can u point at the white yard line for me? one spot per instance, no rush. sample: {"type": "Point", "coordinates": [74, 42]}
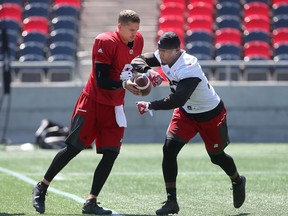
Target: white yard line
{"type": "Point", "coordinates": [51, 189]}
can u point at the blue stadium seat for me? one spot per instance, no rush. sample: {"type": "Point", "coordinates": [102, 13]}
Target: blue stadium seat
{"type": "Point", "coordinates": [279, 10]}
{"type": "Point", "coordinates": [256, 35]}
{"type": "Point", "coordinates": [201, 36]}
{"type": "Point", "coordinates": [228, 52]}
{"type": "Point", "coordinates": [62, 35]}
{"type": "Point", "coordinates": [20, 2]}
{"type": "Point", "coordinates": [66, 10]}
{"type": "Point", "coordinates": [62, 52]}
{"type": "Point", "coordinates": [65, 22]}
{"type": "Point", "coordinates": [280, 22]}
{"type": "Point", "coordinates": [201, 50]}
{"type": "Point", "coordinates": [228, 21]}
{"type": "Point", "coordinates": [38, 38]}
{"type": "Point", "coordinates": [228, 8]}
{"type": "Point", "coordinates": [40, 1]}
{"type": "Point", "coordinates": [280, 53]}
{"type": "Point", "coordinates": [37, 9]}
{"type": "Point", "coordinates": [30, 51]}
{"type": "Point", "coordinates": [263, 1]}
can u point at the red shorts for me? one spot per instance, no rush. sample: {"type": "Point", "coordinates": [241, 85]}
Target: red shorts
{"type": "Point", "coordinates": [213, 132]}
{"type": "Point", "coordinates": [92, 121]}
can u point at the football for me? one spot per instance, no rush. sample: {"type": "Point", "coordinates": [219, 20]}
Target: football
{"type": "Point", "coordinates": [143, 83]}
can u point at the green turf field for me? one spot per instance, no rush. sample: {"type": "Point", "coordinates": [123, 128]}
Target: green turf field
{"type": "Point", "coordinates": [136, 187]}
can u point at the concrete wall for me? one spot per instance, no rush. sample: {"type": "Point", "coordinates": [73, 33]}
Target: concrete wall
{"type": "Point", "coordinates": [255, 113]}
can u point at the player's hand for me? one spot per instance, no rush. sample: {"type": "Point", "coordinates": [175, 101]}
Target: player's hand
{"type": "Point", "coordinates": [142, 107]}
{"type": "Point", "coordinates": [131, 86]}
{"type": "Point", "coordinates": [126, 75]}
{"type": "Point", "coordinates": [154, 77]}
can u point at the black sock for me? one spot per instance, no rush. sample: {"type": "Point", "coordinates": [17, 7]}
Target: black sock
{"type": "Point", "coordinates": [171, 194]}
{"type": "Point", "coordinates": [43, 185]}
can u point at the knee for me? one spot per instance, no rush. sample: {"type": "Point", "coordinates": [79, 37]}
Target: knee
{"type": "Point", "coordinates": [217, 159]}
{"type": "Point", "coordinates": [171, 148]}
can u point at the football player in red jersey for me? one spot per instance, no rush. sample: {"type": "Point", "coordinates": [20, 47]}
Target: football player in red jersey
{"type": "Point", "coordinates": [98, 114]}
{"type": "Point", "coordinates": [197, 109]}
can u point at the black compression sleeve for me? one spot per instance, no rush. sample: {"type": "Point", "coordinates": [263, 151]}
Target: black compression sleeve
{"type": "Point", "coordinates": [103, 79]}
{"type": "Point", "coordinates": [144, 62]}
{"type": "Point", "coordinates": [184, 90]}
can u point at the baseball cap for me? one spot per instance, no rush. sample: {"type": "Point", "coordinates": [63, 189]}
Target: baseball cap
{"type": "Point", "coordinates": [169, 40]}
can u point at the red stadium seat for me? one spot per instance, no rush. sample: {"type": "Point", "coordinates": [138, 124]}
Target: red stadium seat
{"type": "Point", "coordinates": [171, 22]}
{"type": "Point", "coordinates": [257, 22]}
{"type": "Point", "coordinates": [228, 35]}
{"type": "Point", "coordinates": [280, 35]}
{"type": "Point", "coordinates": [35, 23]}
{"type": "Point", "coordinates": [183, 2]}
{"type": "Point", "coordinates": [210, 2]}
{"type": "Point", "coordinates": [11, 11]}
{"type": "Point", "coordinates": [200, 23]}
{"type": "Point", "coordinates": [172, 8]}
{"type": "Point", "coordinates": [200, 9]}
{"type": "Point", "coordinates": [256, 8]}
{"type": "Point", "coordinates": [257, 49]}
{"type": "Point", "coordinates": [75, 3]}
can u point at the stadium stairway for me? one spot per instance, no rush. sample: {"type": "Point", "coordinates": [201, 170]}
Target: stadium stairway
{"type": "Point", "coordinates": [101, 15]}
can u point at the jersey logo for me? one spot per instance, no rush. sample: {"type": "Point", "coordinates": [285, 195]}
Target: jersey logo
{"type": "Point", "coordinates": [100, 50]}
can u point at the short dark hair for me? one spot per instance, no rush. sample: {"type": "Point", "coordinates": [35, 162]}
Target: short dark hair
{"type": "Point", "coordinates": [169, 40]}
{"type": "Point", "coordinates": [126, 16]}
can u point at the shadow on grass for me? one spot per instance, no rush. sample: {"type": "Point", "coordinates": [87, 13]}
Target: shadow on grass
{"type": "Point", "coordinates": [8, 214]}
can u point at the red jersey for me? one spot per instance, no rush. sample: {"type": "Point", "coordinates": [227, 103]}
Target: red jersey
{"type": "Point", "coordinates": [109, 49]}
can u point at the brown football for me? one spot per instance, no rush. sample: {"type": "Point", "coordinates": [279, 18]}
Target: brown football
{"type": "Point", "coordinates": [143, 83]}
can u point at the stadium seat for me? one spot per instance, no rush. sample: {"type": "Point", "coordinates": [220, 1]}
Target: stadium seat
{"type": "Point", "coordinates": [280, 53]}
{"type": "Point", "coordinates": [228, 35]}
{"type": "Point", "coordinates": [62, 52]}
{"type": "Point", "coordinates": [201, 36]}
{"type": "Point", "coordinates": [20, 2]}
{"type": "Point", "coordinates": [172, 23]}
{"type": "Point", "coordinates": [36, 23]}
{"type": "Point", "coordinates": [198, 23]}
{"type": "Point", "coordinates": [172, 8]}
{"type": "Point", "coordinates": [65, 22]}
{"type": "Point", "coordinates": [66, 10]}
{"type": "Point", "coordinates": [178, 1]}
{"type": "Point", "coordinates": [280, 22]}
{"type": "Point", "coordinates": [210, 2]}
{"type": "Point", "coordinates": [11, 11]}
{"type": "Point", "coordinates": [280, 9]}
{"type": "Point", "coordinates": [31, 52]}
{"type": "Point", "coordinates": [228, 8]}
{"type": "Point", "coordinates": [228, 21]}
{"type": "Point", "coordinates": [12, 38]}
{"type": "Point", "coordinates": [11, 25]}
{"type": "Point", "coordinates": [255, 49]}
{"type": "Point", "coordinates": [280, 35]}
{"type": "Point", "coordinates": [263, 1]}
{"type": "Point", "coordinates": [201, 50]}
{"type": "Point", "coordinates": [256, 8]}
{"type": "Point", "coordinates": [74, 3]}
{"type": "Point", "coordinates": [37, 9]}
{"type": "Point", "coordinates": [38, 38]}
{"type": "Point", "coordinates": [228, 52]}
{"type": "Point", "coordinates": [200, 9]}
{"type": "Point", "coordinates": [234, 1]}
{"type": "Point", "coordinates": [62, 35]}
{"type": "Point", "coordinates": [256, 35]}
{"type": "Point", "coordinates": [257, 22]}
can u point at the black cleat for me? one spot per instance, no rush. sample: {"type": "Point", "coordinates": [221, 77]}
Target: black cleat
{"type": "Point", "coordinates": [92, 207]}
{"type": "Point", "coordinates": [239, 193]}
{"type": "Point", "coordinates": [169, 207]}
{"type": "Point", "coordinates": [38, 197]}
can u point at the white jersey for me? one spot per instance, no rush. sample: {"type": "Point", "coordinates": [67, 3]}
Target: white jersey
{"type": "Point", "coordinates": [204, 98]}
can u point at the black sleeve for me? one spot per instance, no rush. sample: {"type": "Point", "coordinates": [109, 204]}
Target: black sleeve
{"type": "Point", "coordinates": [184, 90]}
{"type": "Point", "coordinates": [103, 79]}
{"type": "Point", "coordinates": [144, 62]}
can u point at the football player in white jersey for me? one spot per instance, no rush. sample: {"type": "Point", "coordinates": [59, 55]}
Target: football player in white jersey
{"type": "Point", "coordinates": [197, 109]}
